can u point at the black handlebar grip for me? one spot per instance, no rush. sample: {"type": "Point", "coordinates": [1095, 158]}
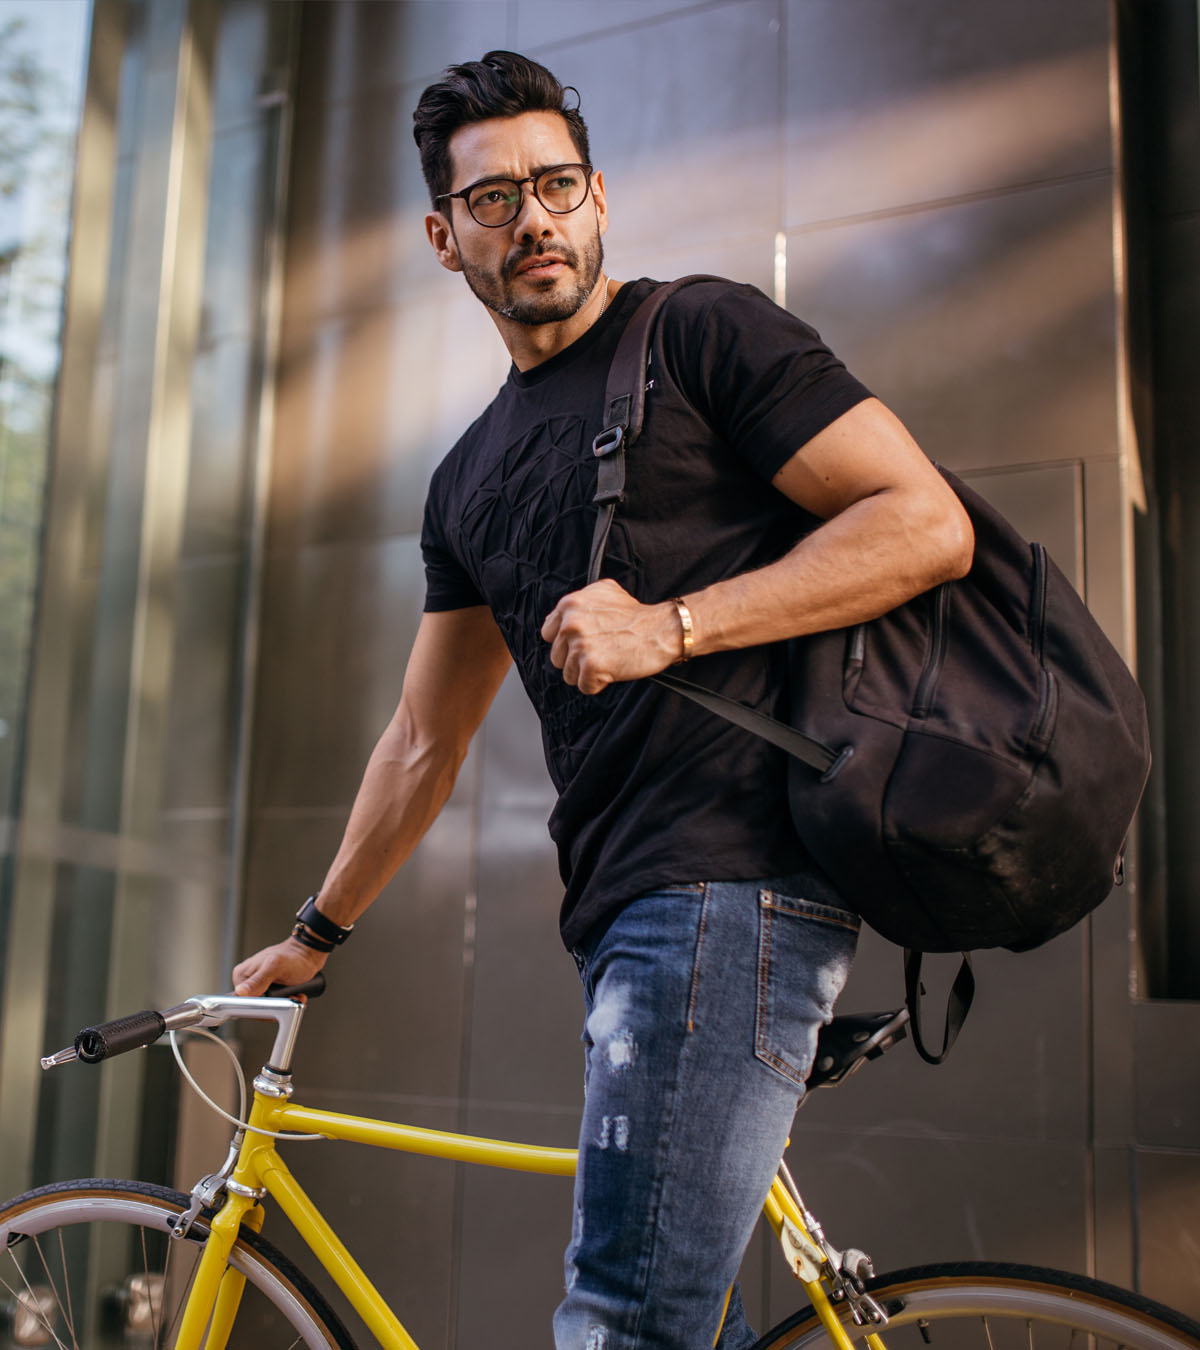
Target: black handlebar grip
{"type": "Point", "coordinates": [313, 988]}
{"type": "Point", "coordinates": [123, 1033]}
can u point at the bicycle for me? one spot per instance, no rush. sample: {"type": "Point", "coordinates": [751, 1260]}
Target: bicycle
{"type": "Point", "coordinates": [106, 1263]}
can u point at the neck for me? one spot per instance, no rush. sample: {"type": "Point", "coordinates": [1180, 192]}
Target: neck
{"type": "Point", "coordinates": [530, 345]}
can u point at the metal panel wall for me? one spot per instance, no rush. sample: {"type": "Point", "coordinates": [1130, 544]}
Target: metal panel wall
{"type": "Point", "coordinates": [933, 187]}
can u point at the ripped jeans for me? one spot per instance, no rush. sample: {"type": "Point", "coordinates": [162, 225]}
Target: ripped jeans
{"type": "Point", "coordinates": [703, 1006]}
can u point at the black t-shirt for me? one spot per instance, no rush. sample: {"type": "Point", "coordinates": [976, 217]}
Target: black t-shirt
{"type": "Point", "coordinates": [653, 790]}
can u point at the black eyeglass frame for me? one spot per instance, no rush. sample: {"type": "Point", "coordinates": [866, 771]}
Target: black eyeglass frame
{"type": "Point", "coordinates": [519, 183]}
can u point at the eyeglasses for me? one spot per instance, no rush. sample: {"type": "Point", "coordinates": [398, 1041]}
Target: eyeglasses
{"type": "Point", "coordinates": [493, 202]}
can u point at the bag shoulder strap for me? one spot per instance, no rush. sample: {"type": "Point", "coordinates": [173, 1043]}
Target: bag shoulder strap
{"type": "Point", "coordinates": [625, 409]}
{"type": "Point", "coordinates": [624, 412]}
{"type": "Point", "coordinates": [826, 761]}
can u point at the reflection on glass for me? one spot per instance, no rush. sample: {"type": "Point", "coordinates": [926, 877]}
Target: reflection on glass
{"type": "Point", "coordinates": [42, 61]}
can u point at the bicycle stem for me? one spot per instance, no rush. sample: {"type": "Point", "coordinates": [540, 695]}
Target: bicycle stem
{"type": "Point", "coordinates": [216, 1009]}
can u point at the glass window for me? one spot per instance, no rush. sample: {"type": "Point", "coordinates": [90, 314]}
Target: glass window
{"type": "Point", "coordinates": [42, 66]}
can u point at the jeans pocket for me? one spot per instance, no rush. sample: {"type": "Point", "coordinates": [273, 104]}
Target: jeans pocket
{"type": "Point", "coordinates": [804, 953]}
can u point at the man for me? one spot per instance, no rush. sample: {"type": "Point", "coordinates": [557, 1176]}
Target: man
{"type": "Point", "coordinates": [769, 496]}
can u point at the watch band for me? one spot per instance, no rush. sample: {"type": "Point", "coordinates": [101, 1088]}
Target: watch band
{"type": "Point", "coordinates": [306, 938]}
{"type": "Point", "coordinates": [320, 924]}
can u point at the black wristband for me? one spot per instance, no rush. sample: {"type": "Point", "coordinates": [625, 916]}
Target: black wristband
{"type": "Point", "coordinates": [310, 940]}
{"type": "Point", "coordinates": [321, 925]}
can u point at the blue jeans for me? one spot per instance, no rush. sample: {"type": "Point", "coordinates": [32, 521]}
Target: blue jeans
{"type": "Point", "coordinates": [703, 1007]}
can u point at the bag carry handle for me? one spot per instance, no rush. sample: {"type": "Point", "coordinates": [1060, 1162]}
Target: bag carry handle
{"type": "Point", "coordinates": [962, 993]}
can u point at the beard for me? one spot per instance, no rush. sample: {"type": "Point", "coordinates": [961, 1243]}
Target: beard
{"type": "Point", "coordinates": [496, 292]}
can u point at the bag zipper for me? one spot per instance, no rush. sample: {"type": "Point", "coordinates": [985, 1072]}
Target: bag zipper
{"type": "Point", "coordinates": [856, 650]}
{"type": "Point", "coordinates": [1047, 710]}
{"type": "Point", "coordinates": [1037, 617]}
{"type": "Point", "coordinates": [1047, 707]}
{"type": "Point", "coordinates": [936, 655]}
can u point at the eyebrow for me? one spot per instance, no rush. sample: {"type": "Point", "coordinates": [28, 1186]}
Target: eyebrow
{"type": "Point", "coordinates": [535, 172]}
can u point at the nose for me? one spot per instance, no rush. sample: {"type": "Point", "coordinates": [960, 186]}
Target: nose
{"type": "Point", "coordinates": [533, 221]}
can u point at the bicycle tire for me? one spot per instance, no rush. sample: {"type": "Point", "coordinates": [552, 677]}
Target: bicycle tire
{"type": "Point", "coordinates": [998, 1307]}
{"type": "Point", "coordinates": [48, 1265]}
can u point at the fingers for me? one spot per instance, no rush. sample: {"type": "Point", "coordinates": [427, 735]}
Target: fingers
{"type": "Point", "coordinates": [284, 963]}
{"type": "Point", "coordinates": [579, 630]}
{"type": "Point", "coordinates": [553, 622]}
{"type": "Point", "coordinates": [586, 680]}
{"type": "Point", "coordinates": [249, 980]}
{"type": "Point", "coordinates": [601, 635]}
{"type": "Point", "coordinates": [579, 657]}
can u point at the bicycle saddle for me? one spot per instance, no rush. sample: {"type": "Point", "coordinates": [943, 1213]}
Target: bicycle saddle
{"type": "Point", "coordinates": [847, 1042]}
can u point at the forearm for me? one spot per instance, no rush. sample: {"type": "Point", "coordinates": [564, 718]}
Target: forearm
{"type": "Point", "coordinates": [457, 663]}
{"type": "Point", "coordinates": [871, 557]}
{"type": "Point", "coordinates": [406, 783]}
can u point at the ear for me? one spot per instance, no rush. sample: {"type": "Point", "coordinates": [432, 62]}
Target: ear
{"type": "Point", "coordinates": [601, 201]}
{"type": "Point", "coordinates": [441, 237]}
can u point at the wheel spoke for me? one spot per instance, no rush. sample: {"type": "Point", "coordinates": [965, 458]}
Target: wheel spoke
{"type": "Point", "coordinates": [183, 1298]}
{"type": "Point", "coordinates": [34, 1304]}
{"type": "Point", "coordinates": [162, 1299]}
{"type": "Point", "coordinates": [37, 1246]}
{"type": "Point", "coordinates": [70, 1314]}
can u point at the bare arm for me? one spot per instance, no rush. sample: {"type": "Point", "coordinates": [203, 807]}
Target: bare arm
{"type": "Point", "coordinates": [893, 529]}
{"type": "Point", "coordinates": [457, 663]}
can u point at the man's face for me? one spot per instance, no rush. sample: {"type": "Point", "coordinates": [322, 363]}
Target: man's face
{"type": "Point", "coordinates": [541, 267]}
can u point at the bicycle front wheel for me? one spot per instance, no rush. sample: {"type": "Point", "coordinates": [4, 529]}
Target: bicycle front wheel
{"type": "Point", "coordinates": [980, 1305]}
{"type": "Point", "coordinates": [91, 1263]}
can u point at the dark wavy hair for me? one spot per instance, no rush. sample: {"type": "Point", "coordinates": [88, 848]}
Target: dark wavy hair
{"type": "Point", "coordinates": [502, 84]}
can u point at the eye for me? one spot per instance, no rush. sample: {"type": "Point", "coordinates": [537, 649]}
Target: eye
{"type": "Point", "coordinates": [495, 194]}
{"type": "Point", "coordinates": [562, 181]}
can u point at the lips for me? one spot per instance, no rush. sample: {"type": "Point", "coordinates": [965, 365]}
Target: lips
{"type": "Point", "coordinates": [545, 262]}
{"type": "Point", "coordinates": [539, 262]}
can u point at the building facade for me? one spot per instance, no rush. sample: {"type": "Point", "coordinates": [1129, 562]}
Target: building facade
{"type": "Point", "coordinates": [992, 213]}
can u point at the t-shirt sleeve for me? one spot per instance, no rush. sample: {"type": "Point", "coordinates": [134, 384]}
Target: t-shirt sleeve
{"type": "Point", "coordinates": [762, 377]}
{"type": "Point", "coordinates": [448, 585]}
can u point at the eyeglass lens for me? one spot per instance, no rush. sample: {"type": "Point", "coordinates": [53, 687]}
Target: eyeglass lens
{"type": "Point", "coordinates": [560, 190]}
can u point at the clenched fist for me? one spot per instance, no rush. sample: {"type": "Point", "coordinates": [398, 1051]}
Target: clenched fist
{"type": "Point", "coordinates": [601, 635]}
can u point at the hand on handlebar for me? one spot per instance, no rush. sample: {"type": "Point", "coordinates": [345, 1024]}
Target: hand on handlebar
{"type": "Point", "coordinates": [286, 962]}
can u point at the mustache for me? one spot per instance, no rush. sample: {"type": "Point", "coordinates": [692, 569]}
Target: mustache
{"type": "Point", "coordinates": [527, 251]}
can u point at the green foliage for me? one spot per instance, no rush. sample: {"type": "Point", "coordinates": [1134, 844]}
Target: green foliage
{"type": "Point", "coordinates": [22, 88]}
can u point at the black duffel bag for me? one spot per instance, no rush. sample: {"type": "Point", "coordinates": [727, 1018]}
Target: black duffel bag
{"type": "Point", "coordinates": [989, 747]}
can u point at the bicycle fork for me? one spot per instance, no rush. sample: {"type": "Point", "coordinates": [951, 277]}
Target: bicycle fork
{"type": "Point", "coordinates": [216, 1292]}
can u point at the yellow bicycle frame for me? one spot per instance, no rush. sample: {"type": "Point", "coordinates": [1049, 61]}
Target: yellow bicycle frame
{"type": "Point", "coordinates": [216, 1289]}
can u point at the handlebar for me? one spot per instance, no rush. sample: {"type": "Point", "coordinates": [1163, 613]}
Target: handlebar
{"type": "Point", "coordinates": [134, 1032]}
{"type": "Point", "coordinates": [138, 1030]}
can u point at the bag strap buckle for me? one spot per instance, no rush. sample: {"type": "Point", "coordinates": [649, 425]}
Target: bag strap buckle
{"type": "Point", "coordinates": [609, 441]}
